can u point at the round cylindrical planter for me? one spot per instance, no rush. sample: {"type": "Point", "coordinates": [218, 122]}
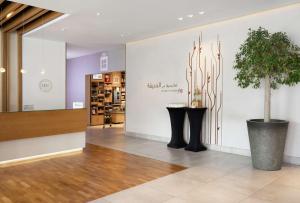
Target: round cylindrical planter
{"type": "Point", "coordinates": [267, 142]}
{"type": "Point", "coordinates": [177, 116]}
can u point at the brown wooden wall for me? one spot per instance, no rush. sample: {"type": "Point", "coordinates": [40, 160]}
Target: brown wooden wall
{"type": "Point", "coordinates": [20, 125]}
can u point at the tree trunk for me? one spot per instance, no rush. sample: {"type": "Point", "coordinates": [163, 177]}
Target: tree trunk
{"type": "Point", "coordinates": [267, 116]}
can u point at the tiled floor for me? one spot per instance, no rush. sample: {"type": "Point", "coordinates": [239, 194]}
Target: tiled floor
{"type": "Point", "coordinates": [211, 177]}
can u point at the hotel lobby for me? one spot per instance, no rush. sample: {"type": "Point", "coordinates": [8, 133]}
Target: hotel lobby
{"type": "Point", "coordinates": [149, 101]}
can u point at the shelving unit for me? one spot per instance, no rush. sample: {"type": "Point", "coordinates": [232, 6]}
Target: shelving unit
{"type": "Point", "coordinates": [106, 98]}
{"type": "Point", "coordinates": [97, 102]}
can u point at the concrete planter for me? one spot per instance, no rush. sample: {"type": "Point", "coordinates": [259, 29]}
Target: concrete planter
{"type": "Point", "coordinates": [267, 142]}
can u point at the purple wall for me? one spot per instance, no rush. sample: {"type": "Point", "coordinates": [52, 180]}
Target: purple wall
{"type": "Point", "coordinates": [78, 68]}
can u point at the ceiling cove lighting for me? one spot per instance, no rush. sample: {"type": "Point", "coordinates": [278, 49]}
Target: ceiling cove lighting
{"type": "Point", "coordinates": [201, 12]}
{"type": "Point", "coordinates": [9, 14]}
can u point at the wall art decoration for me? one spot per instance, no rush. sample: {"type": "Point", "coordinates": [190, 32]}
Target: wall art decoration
{"type": "Point", "coordinates": [45, 85]}
{"type": "Point", "coordinates": [103, 62]}
{"type": "Point", "coordinates": [98, 76]}
{"type": "Point", "coordinates": [165, 87]}
{"type": "Point", "coordinates": [207, 91]}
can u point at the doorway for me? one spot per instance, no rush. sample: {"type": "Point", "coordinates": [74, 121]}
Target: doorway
{"type": "Point", "coordinates": [106, 99]}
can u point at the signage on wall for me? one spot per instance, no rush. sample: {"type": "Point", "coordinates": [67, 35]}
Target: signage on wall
{"type": "Point", "coordinates": [45, 85]}
{"type": "Point", "coordinates": [78, 105]}
{"type": "Point", "coordinates": [103, 62]}
{"type": "Point", "coordinates": [98, 76]}
{"type": "Point", "coordinates": [165, 87]}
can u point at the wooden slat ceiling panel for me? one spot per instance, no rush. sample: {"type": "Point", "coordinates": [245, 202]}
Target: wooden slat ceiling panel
{"type": "Point", "coordinates": [18, 10]}
{"type": "Point", "coordinates": [49, 16]}
{"type": "Point", "coordinates": [23, 18]}
{"type": "Point", "coordinates": [11, 7]}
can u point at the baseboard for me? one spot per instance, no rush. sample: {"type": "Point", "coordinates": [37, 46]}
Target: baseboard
{"type": "Point", "coordinates": [232, 150]}
{"type": "Point", "coordinates": [246, 152]}
{"type": "Point", "coordinates": [291, 159]}
{"type": "Point", "coordinates": [147, 136]}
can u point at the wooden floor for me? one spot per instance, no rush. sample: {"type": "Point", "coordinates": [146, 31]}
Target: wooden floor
{"type": "Point", "coordinates": [82, 177]}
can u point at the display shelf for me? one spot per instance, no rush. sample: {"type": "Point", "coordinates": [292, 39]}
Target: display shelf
{"type": "Point", "coordinates": [106, 96]}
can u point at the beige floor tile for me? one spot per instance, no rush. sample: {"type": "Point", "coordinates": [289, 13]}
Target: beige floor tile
{"type": "Point", "coordinates": [201, 174]}
{"type": "Point", "coordinates": [175, 185]}
{"type": "Point", "coordinates": [254, 200]}
{"type": "Point", "coordinates": [262, 177]}
{"type": "Point", "coordinates": [247, 180]}
{"type": "Point", "coordinates": [138, 194]}
{"type": "Point", "coordinates": [212, 194]}
{"type": "Point", "coordinates": [278, 194]}
{"type": "Point", "coordinates": [176, 200]}
{"type": "Point", "coordinates": [102, 200]}
{"type": "Point", "coordinates": [239, 185]}
{"type": "Point", "coordinates": [291, 177]}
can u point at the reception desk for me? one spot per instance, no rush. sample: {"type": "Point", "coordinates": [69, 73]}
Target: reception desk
{"type": "Point", "coordinates": [26, 135]}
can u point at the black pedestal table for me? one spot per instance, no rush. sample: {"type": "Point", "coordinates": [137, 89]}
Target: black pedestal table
{"type": "Point", "coordinates": [195, 117]}
{"type": "Point", "coordinates": [177, 116]}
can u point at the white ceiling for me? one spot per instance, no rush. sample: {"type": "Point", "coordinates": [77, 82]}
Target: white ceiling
{"type": "Point", "coordinates": [74, 51]}
{"type": "Point", "coordinates": [122, 21]}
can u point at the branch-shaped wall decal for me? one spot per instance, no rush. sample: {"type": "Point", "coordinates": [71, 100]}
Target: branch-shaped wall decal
{"type": "Point", "coordinates": [208, 91]}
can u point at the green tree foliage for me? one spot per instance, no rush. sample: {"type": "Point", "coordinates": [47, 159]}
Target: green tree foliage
{"type": "Point", "coordinates": [266, 54]}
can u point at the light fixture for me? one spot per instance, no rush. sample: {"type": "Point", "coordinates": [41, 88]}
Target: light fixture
{"type": "Point", "coordinates": [2, 70]}
{"type": "Point", "coordinates": [190, 15]}
{"type": "Point", "coordinates": [180, 18]}
{"type": "Point", "coordinates": [63, 29]}
{"type": "Point", "coordinates": [98, 14]}
{"type": "Point", "coordinates": [126, 34]}
{"type": "Point", "coordinates": [23, 71]}
{"type": "Point", "coordinates": [43, 72]}
{"type": "Point", "coordinates": [9, 14]}
{"type": "Point", "coordinates": [201, 12]}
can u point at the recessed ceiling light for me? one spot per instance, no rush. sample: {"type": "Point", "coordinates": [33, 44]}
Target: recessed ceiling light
{"type": "Point", "coordinates": [9, 14]}
{"type": "Point", "coordinates": [63, 29]}
{"type": "Point", "coordinates": [98, 14]}
{"type": "Point", "coordinates": [190, 15]}
{"type": "Point", "coordinates": [201, 12]}
{"type": "Point", "coordinates": [181, 18]}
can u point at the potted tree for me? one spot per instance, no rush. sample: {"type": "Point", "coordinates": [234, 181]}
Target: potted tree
{"type": "Point", "coordinates": [272, 59]}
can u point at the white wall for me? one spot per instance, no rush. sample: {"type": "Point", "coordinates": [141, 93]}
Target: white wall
{"type": "Point", "coordinates": [49, 56]}
{"type": "Point", "coordinates": [40, 146]}
{"type": "Point", "coordinates": [116, 59]}
{"type": "Point", "coordinates": [164, 58]}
